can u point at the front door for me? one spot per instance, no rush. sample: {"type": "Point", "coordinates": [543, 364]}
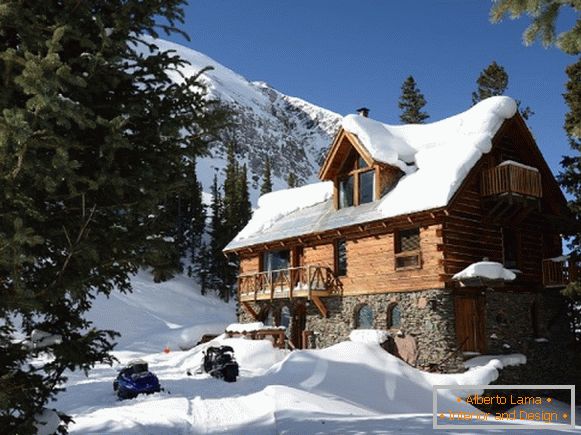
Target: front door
{"type": "Point", "coordinates": [470, 321]}
{"type": "Point", "coordinates": [299, 324]}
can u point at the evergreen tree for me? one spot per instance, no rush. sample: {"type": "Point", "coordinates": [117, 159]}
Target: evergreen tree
{"type": "Point", "coordinates": [292, 180]}
{"type": "Point", "coordinates": [266, 186]}
{"type": "Point", "coordinates": [493, 81]}
{"type": "Point", "coordinates": [93, 136]}
{"type": "Point", "coordinates": [570, 177]}
{"type": "Point", "coordinates": [196, 213]}
{"type": "Point", "coordinates": [411, 103]}
{"type": "Point", "coordinates": [544, 14]}
{"type": "Point", "coordinates": [218, 240]}
{"type": "Point", "coordinates": [202, 264]}
{"type": "Point", "coordinates": [245, 206]}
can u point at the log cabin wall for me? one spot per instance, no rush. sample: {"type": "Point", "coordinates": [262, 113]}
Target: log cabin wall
{"type": "Point", "coordinates": [250, 264]}
{"type": "Point", "coordinates": [471, 235]}
{"type": "Point", "coordinates": [371, 265]}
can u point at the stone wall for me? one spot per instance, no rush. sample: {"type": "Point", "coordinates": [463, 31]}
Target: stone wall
{"type": "Point", "coordinates": [536, 325]}
{"type": "Point", "coordinates": [426, 316]}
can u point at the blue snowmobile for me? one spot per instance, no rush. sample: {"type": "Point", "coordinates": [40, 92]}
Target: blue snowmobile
{"type": "Point", "coordinates": [135, 379]}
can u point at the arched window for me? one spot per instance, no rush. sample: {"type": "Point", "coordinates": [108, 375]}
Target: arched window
{"type": "Point", "coordinates": [393, 316]}
{"type": "Point", "coordinates": [364, 319]}
{"type": "Point", "coordinates": [285, 319]}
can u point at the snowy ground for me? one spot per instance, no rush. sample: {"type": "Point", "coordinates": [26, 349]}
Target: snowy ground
{"type": "Point", "coordinates": [348, 388]}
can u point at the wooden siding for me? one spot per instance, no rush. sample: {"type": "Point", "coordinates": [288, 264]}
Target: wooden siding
{"type": "Point", "coordinates": [470, 235]}
{"type": "Point", "coordinates": [250, 264]}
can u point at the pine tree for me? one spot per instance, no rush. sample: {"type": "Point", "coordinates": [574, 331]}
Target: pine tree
{"type": "Point", "coordinates": [93, 136]}
{"type": "Point", "coordinates": [493, 81]}
{"type": "Point", "coordinates": [202, 264]}
{"type": "Point", "coordinates": [544, 14]}
{"type": "Point", "coordinates": [292, 180]}
{"type": "Point", "coordinates": [570, 177]}
{"type": "Point", "coordinates": [196, 213]}
{"type": "Point", "coordinates": [245, 206]}
{"type": "Point", "coordinates": [218, 240]}
{"type": "Point", "coordinates": [266, 186]}
{"type": "Point", "coordinates": [411, 103]}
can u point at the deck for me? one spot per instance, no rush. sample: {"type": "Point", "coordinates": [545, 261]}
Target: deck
{"type": "Point", "coordinates": [294, 282]}
{"type": "Point", "coordinates": [559, 272]}
{"type": "Point", "coordinates": [510, 179]}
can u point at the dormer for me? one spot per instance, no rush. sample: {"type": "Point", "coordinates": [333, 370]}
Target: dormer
{"type": "Point", "coordinates": [358, 178]}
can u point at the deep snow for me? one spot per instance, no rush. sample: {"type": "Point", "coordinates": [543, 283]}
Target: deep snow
{"type": "Point", "coordinates": [351, 387]}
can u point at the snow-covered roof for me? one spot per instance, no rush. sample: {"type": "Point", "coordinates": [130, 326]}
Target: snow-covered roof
{"type": "Point", "coordinates": [435, 157]}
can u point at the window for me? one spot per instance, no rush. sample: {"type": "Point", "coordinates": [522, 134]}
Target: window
{"type": "Point", "coordinates": [357, 186]}
{"type": "Point", "coordinates": [407, 249]}
{"type": "Point", "coordinates": [275, 260]}
{"type": "Point", "coordinates": [341, 257]}
{"type": "Point", "coordinates": [366, 187]}
{"type": "Point", "coordinates": [346, 192]}
{"type": "Point", "coordinates": [393, 316]}
{"type": "Point", "coordinates": [510, 248]}
{"type": "Point", "coordinates": [364, 319]}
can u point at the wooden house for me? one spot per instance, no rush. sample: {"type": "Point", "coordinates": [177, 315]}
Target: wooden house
{"type": "Point", "coordinates": [398, 212]}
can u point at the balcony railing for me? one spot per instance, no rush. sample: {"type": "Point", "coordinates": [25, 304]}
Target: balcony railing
{"type": "Point", "coordinates": [559, 271]}
{"type": "Point", "coordinates": [511, 178]}
{"type": "Point", "coordinates": [303, 281]}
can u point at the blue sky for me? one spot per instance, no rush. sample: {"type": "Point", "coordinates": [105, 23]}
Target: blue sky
{"type": "Point", "coordinates": [342, 54]}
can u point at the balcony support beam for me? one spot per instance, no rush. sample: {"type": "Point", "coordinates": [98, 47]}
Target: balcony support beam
{"type": "Point", "coordinates": [248, 308]}
{"type": "Point", "coordinates": [320, 305]}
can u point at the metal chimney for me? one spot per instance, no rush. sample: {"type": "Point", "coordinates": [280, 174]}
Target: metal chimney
{"type": "Point", "coordinates": [363, 111]}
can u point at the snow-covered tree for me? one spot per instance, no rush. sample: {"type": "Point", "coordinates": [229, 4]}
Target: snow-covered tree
{"type": "Point", "coordinates": [411, 103]}
{"type": "Point", "coordinates": [93, 136]}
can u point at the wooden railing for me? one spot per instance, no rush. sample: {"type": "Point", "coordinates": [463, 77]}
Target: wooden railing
{"type": "Point", "coordinates": [511, 178]}
{"type": "Point", "coordinates": [286, 283]}
{"type": "Point", "coordinates": [558, 272]}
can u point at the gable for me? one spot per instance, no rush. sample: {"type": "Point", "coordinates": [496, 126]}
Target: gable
{"type": "Point", "coordinates": [514, 142]}
{"type": "Point", "coordinates": [343, 145]}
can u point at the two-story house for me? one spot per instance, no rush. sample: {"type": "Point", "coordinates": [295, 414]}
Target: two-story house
{"type": "Point", "coordinates": [398, 212]}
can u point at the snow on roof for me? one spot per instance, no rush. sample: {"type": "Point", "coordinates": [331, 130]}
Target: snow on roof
{"type": "Point", "coordinates": [487, 270]}
{"type": "Point", "coordinates": [436, 158]}
{"type": "Point", "coordinates": [275, 205]}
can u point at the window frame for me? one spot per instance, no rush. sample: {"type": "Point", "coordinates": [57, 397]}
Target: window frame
{"type": "Point", "coordinates": [389, 321]}
{"type": "Point", "coordinates": [358, 310]}
{"type": "Point", "coordinates": [398, 253]}
{"type": "Point", "coordinates": [336, 257]}
{"type": "Point", "coordinates": [356, 173]}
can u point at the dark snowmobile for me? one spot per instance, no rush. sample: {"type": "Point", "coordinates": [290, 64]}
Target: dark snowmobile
{"type": "Point", "coordinates": [135, 379]}
{"type": "Point", "coordinates": [220, 363]}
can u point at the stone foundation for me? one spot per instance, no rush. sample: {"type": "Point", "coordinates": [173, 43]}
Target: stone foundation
{"type": "Point", "coordinates": [427, 317]}
{"type": "Point", "coordinates": [536, 325]}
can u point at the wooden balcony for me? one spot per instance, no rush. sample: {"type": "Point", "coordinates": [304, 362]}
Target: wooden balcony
{"type": "Point", "coordinates": [511, 178]}
{"type": "Point", "coordinates": [294, 282]}
{"type": "Point", "coordinates": [510, 192]}
{"type": "Point", "coordinates": [559, 271]}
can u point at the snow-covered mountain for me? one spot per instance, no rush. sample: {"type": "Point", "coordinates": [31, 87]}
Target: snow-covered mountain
{"type": "Point", "coordinates": [294, 133]}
